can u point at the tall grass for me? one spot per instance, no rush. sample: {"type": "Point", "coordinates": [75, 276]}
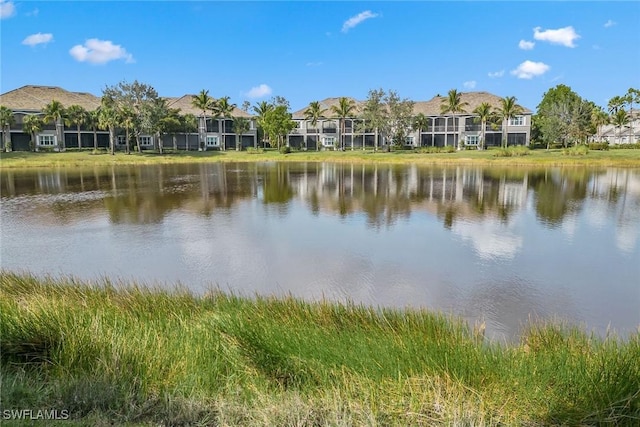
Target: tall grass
{"type": "Point", "coordinates": [131, 354]}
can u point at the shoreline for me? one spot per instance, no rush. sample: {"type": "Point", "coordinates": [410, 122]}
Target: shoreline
{"type": "Point", "coordinates": [553, 158]}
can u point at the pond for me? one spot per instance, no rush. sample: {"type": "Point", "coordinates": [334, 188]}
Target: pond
{"type": "Point", "coordinates": [499, 245]}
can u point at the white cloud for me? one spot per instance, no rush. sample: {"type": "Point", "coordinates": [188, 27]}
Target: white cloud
{"type": "Point", "coordinates": [7, 9]}
{"type": "Point", "coordinates": [39, 38]}
{"type": "Point", "coordinates": [259, 91]}
{"type": "Point", "coordinates": [529, 69]}
{"type": "Point", "coordinates": [471, 84]}
{"type": "Point", "coordinates": [97, 51]}
{"type": "Point", "coordinates": [563, 36]}
{"type": "Point", "coordinates": [355, 20]}
{"type": "Point", "coordinates": [526, 45]}
{"type": "Point", "coordinates": [609, 23]}
{"type": "Point", "coordinates": [494, 74]}
{"type": "Point", "coordinates": [34, 12]}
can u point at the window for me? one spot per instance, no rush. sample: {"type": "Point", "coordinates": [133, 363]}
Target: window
{"type": "Point", "coordinates": [145, 140]}
{"type": "Point", "coordinates": [328, 141]}
{"type": "Point", "coordinates": [408, 140]}
{"type": "Point", "coordinates": [122, 140]}
{"type": "Point", "coordinates": [516, 121]}
{"type": "Point", "coordinates": [212, 141]}
{"type": "Point", "coordinates": [47, 140]}
{"type": "Point", "coordinates": [472, 140]}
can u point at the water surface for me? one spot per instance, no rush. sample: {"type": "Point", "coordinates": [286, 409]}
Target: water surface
{"type": "Point", "coordinates": [494, 245]}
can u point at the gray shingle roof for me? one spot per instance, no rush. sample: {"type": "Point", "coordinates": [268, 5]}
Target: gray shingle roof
{"type": "Point", "coordinates": [34, 98]}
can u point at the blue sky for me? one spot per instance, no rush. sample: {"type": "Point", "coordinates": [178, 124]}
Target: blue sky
{"type": "Point", "coordinates": [308, 51]}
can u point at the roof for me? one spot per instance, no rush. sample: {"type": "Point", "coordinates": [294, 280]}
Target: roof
{"type": "Point", "coordinates": [184, 103]}
{"type": "Point", "coordinates": [34, 98]}
{"type": "Point", "coordinates": [428, 108]}
{"type": "Point", "coordinates": [474, 99]}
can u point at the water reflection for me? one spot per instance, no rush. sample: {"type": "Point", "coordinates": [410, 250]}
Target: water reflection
{"type": "Point", "coordinates": [500, 244]}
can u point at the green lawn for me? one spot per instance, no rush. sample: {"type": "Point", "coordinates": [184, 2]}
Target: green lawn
{"type": "Point", "coordinates": [619, 157]}
{"type": "Point", "coordinates": [128, 355]}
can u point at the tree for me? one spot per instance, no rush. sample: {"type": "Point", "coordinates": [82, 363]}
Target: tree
{"type": "Point", "coordinates": [508, 110]}
{"type": "Point", "coordinates": [345, 109]}
{"type": "Point", "coordinates": [128, 118]}
{"type": "Point", "coordinates": [241, 125]}
{"type": "Point", "coordinates": [278, 123]}
{"type": "Point", "coordinates": [154, 115]}
{"type": "Point", "coordinates": [76, 115]}
{"type": "Point", "coordinates": [313, 114]}
{"type": "Point", "coordinates": [400, 112]}
{"type": "Point", "coordinates": [599, 118]}
{"type": "Point", "coordinates": [171, 124]}
{"type": "Point", "coordinates": [136, 96]}
{"type": "Point", "coordinates": [261, 109]}
{"type": "Point", "coordinates": [224, 110]}
{"type": "Point", "coordinates": [54, 112]}
{"type": "Point", "coordinates": [631, 97]}
{"type": "Point", "coordinates": [204, 103]}
{"type": "Point", "coordinates": [32, 124]}
{"type": "Point", "coordinates": [620, 119]}
{"type": "Point", "coordinates": [484, 113]}
{"type": "Point", "coordinates": [189, 124]}
{"type": "Point", "coordinates": [453, 104]}
{"type": "Point", "coordinates": [616, 104]}
{"type": "Point", "coordinates": [375, 113]}
{"type": "Point", "coordinates": [7, 119]}
{"type": "Point", "coordinates": [109, 119]}
{"type": "Point", "coordinates": [93, 120]}
{"type": "Point", "coordinates": [420, 123]}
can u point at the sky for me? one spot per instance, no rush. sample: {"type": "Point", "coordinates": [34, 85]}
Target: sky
{"type": "Point", "coordinates": [307, 51]}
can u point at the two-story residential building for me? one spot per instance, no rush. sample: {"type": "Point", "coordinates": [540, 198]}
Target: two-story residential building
{"type": "Point", "coordinates": [442, 130]}
{"type": "Point", "coordinates": [211, 133]}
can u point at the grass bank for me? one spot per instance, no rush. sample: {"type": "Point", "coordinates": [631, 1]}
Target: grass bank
{"type": "Point", "coordinates": [541, 157]}
{"type": "Point", "coordinates": [130, 355]}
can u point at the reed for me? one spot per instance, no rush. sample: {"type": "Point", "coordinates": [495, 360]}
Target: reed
{"type": "Point", "coordinates": [132, 354]}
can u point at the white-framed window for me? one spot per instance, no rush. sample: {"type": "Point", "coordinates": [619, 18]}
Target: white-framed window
{"type": "Point", "coordinates": [516, 121]}
{"type": "Point", "coordinates": [471, 139]}
{"type": "Point", "coordinates": [328, 141]}
{"type": "Point", "coordinates": [121, 140]}
{"type": "Point", "coordinates": [212, 141]}
{"type": "Point", "coordinates": [145, 140]}
{"type": "Point", "coordinates": [46, 140]}
{"type": "Point", "coordinates": [408, 140]}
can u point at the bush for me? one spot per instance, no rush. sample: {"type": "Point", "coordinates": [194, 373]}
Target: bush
{"type": "Point", "coordinates": [429, 150]}
{"type": "Point", "coordinates": [626, 146]}
{"type": "Point", "coordinates": [513, 151]}
{"type": "Point", "coordinates": [576, 150]}
{"type": "Point", "coordinates": [252, 150]}
{"type": "Point", "coordinates": [598, 146]}
{"type": "Point", "coordinates": [285, 149]}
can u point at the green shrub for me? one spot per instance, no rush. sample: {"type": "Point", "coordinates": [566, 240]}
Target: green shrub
{"type": "Point", "coordinates": [626, 146]}
{"type": "Point", "coordinates": [576, 150]}
{"type": "Point", "coordinates": [598, 146]}
{"type": "Point", "coordinates": [285, 149]}
{"type": "Point", "coordinates": [252, 150]}
{"type": "Point", "coordinates": [513, 151]}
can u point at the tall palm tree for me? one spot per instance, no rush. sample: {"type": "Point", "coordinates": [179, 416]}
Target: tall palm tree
{"type": "Point", "coordinates": [224, 110]}
{"type": "Point", "coordinates": [620, 119]}
{"type": "Point", "coordinates": [420, 123]}
{"type": "Point", "coordinates": [128, 119]}
{"type": "Point", "coordinates": [6, 120]}
{"type": "Point", "coordinates": [453, 104]}
{"type": "Point", "coordinates": [631, 97]}
{"type": "Point", "coordinates": [262, 109]}
{"type": "Point", "coordinates": [508, 110]}
{"type": "Point", "coordinates": [190, 124]}
{"type": "Point", "coordinates": [109, 119]}
{"type": "Point", "coordinates": [76, 115]}
{"type": "Point", "coordinates": [615, 104]}
{"type": "Point", "coordinates": [54, 112]}
{"type": "Point", "coordinates": [32, 124]}
{"type": "Point", "coordinates": [93, 122]}
{"type": "Point", "coordinates": [204, 103]}
{"type": "Point", "coordinates": [599, 118]}
{"type": "Point", "coordinates": [345, 109]}
{"type": "Point", "coordinates": [313, 114]}
{"type": "Point", "coordinates": [241, 125]}
{"type": "Point", "coordinates": [485, 113]}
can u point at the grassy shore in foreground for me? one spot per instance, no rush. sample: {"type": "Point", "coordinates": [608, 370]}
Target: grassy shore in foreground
{"type": "Point", "coordinates": [620, 157]}
{"type": "Point", "coordinates": [133, 356]}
